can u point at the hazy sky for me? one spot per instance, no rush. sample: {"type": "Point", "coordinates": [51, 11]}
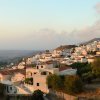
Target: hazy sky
{"type": "Point", "coordinates": [45, 24]}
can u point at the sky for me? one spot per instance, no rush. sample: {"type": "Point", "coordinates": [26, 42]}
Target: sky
{"type": "Point", "coordinates": [46, 24]}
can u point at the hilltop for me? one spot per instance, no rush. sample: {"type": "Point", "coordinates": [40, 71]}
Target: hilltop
{"type": "Point", "coordinates": [90, 41]}
{"type": "Point", "coordinates": [64, 47]}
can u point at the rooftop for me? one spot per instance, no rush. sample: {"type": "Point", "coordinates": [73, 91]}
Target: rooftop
{"type": "Point", "coordinates": [12, 71]}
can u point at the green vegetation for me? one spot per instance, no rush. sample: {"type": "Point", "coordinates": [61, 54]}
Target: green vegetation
{"type": "Point", "coordinates": [3, 64]}
{"type": "Point", "coordinates": [37, 95]}
{"type": "Point", "coordinates": [73, 84]}
{"type": "Point", "coordinates": [81, 68]}
{"type": "Point", "coordinates": [55, 82]}
{"type": "Point", "coordinates": [64, 47]}
{"type": "Point", "coordinates": [96, 67]}
{"type": "Point", "coordinates": [67, 84]}
{"type": "Point", "coordinates": [32, 65]}
{"type": "Point", "coordinates": [1, 89]}
{"type": "Point", "coordinates": [86, 73]}
{"type": "Point", "coordinates": [88, 77]}
{"type": "Point", "coordinates": [29, 81]}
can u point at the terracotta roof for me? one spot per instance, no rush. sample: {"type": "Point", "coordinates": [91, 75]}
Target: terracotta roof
{"type": "Point", "coordinates": [11, 72]}
{"type": "Point", "coordinates": [47, 62]}
{"type": "Point", "coordinates": [64, 68]}
{"type": "Point", "coordinates": [91, 58]}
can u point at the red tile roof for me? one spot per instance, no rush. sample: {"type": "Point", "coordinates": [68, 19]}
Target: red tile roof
{"type": "Point", "coordinates": [64, 68]}
{"type": "Point", "coordinates": [12, 71]}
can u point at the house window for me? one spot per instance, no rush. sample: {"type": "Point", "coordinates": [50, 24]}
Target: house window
{"type": "Point", "coordinates": [35, 73]}
{"type": "Point", "coordinates": [31, 74]}
{"type": "Point", "coordinates": [50, 73]}
{"type": "Point", "coordinates": [38, 84]}
{"type": "Point", "coordinates": [43, 73]}
{"type": "Point", "coordinates": [37, 67]}
{"type": "Point", "coordinates": [41, 66]}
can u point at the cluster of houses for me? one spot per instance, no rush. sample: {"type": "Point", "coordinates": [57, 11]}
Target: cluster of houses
{"type": "Point", "coordinates": [35, 69]}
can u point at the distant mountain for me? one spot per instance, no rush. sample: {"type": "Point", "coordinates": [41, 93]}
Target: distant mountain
{"type": "Point", "coordinates": [90, 41]}
{"type": "Point", "coordinates": [64, 47]}
{"type": "Point", "coordinates": [6, 55]}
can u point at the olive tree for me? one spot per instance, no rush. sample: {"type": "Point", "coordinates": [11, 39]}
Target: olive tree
{"type": "Point", "coordinates": [96, 67]}
{"type": "Point", "coordinates": [73, 84]}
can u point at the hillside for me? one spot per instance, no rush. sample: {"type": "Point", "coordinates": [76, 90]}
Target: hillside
{"type": "Point", "coordinates": [90, 41]}
{"type": "Point", "coordinates": [9, 56]}
{"type": "Point", "coordinates": [63, 47]}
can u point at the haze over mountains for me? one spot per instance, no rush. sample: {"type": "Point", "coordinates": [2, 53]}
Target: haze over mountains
{"type": "Point", "coordinates": [92, 40]}
{"type": "Point", "coordinates": [11, 54]}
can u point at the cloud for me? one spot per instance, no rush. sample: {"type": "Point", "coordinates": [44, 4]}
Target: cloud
{"type": "Point", "coordinates": [89, 32]}
{"type": "Point", "coordinates": [97, 7]}
{"type": "Point", "coordinates": [50, 38]}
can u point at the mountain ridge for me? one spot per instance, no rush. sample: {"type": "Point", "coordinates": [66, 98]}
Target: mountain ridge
{"type": "Point", "coordinates": [63, 47]}
{"type": "Point", "coordinates": [90, 41]}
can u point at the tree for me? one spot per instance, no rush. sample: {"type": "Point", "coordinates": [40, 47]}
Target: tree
{"type": "Point", "coordinates": [67, 84]}
{"type": "Point", "coordinates": [96, 67]}
{"type": "Point", "coordinates": [31, 65]}
{"type": "Point", "coordinates": [88, 77]}
{"type": "Point", "coordinates": [82, 68]}
{"type": "Point", "coordinates": [2, 87]}
{"type": "Point", "coordinates": [54, 82]}
{"type": "Point", "coordinates": [73, 84]}
{"type": "Point", "coordinates": [29, 81]}
{"type": "Point", "coordinates": [37, 95]}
